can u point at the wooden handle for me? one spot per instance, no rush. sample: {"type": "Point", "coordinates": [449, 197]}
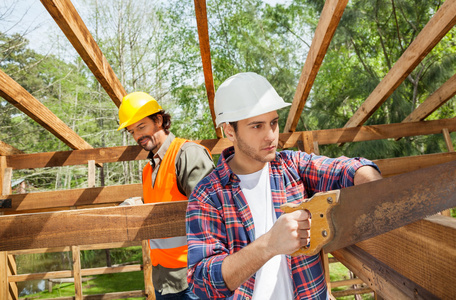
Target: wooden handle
{"type": "Point", "coordinates": [321, 229]}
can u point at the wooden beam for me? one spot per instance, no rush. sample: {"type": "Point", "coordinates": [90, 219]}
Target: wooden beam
{"type": "Point", "coordinates": [25, 102]}
{"type": "Point", "coordinates": [448, 141]}
{"type": "Point", "coordinates": [4, 285]}
{"type": "Point", "coordinates": [112, 195]}
{"type": "Point", "coordinates": [420, 251]}
{"type": "Point", "coordinates": [400, 165]}
{"type": "Point", "coordinates": [76, 157]}
{"type": "Point", "coordinates": [329, 19]}
{"type": "Point", "coordinates": [380, 277]}
{"type": "Point", "coordinates": [76, 255]}
{"type": "Point", "coordinates": [68, 273]}
{"type": "Point", "coordinates": [216, 146]}
{"type": "Point", "coordinates": [71, 24]}
{"type": "Point", "coordinates": [6, 149]}
{"type": "Point", "coordinates": [368, 133]}
{"type": "Point", "coordinates": [30, 202]}
{"type": "Point", "coordinates": [443, 20]}
{"type": "Point", "coordinates": [434, 101]}
{"type": "Point", "coordinates": [93, 226]}
{"type": "Point", "coordinates": [203, 34]}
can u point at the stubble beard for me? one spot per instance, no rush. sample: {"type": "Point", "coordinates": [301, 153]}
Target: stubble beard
{"type": "Point", "coordinates": [150, 144]}
{"type": "Point", "coordinates": [250, 152]}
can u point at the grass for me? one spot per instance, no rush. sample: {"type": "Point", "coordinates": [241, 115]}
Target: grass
{"type": "Point", "coordinates": [100, 284]}
{"type": "Point", "coordinates": [337, 272]}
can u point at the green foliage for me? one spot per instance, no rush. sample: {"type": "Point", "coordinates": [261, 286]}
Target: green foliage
{"type": "Point", "coordinates": [155, 48]}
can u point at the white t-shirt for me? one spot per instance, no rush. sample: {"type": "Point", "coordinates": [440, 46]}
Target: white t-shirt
{"type": "Point", "coordinates": [273, 280]}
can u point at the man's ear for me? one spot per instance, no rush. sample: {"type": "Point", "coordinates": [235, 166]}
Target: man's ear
{"type": "Point", "coordinates": [159, 120]}
{"type": "Point", "coordinates": [229, 131]}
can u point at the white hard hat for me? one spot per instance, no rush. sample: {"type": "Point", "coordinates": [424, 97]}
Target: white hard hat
{"type": "Point", "coordinates": [243, 96]}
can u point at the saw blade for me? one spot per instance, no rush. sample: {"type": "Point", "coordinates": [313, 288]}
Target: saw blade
{"type": "Point", "coordinates": [374, 208]}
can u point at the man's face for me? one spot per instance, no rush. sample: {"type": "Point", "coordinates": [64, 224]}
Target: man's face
{"type": "Point", "coordinates": [146, 133]}
{"type": "Point", "coordinates": [257, 139]}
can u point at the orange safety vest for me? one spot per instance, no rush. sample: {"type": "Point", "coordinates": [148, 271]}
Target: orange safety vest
{"type": "Point", "coordinates": [169, 252]}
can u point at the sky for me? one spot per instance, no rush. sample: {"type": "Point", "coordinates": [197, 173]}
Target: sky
{"type": "Point", "coordinates": [31, 17]}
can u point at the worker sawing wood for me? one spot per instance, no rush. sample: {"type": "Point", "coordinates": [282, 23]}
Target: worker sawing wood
{"type": "Point", "coordinates": [361, 212]}
{"type": "Point", "coordinates": [341, 218]}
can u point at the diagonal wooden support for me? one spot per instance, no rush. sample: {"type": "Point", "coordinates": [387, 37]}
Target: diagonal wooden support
{"type": "Point", "coordinates": [442, 21]}
{"type": "Point", "coordinates": [25, 102]}
{"type": "Point", "coordinates": [330, 17]}
{"type": "Point", "coordinates": [203, 34]}
{"type": "Point", "coordinates": [79, 36]}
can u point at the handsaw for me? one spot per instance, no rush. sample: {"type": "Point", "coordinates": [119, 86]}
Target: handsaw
{"type": "Point", "coordinates": [350, 215]}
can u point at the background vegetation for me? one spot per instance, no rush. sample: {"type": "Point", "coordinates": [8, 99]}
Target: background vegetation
{"type": "Point", "coordinates": [154, 48]}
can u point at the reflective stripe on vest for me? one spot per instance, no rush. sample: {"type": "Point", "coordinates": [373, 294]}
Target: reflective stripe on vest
{"type": "Point", "coordinates": [165, 190]}
{"type": "Point", "coordinates": [168, 243]}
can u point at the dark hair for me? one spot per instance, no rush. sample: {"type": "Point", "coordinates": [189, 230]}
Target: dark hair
{"type": "Point", "coordinates": [166, 120]}
{"type": "Point", "coordinates": [234, 125]}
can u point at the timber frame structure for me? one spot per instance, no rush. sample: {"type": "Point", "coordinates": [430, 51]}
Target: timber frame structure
{"type": "Point", "coordinates": [415, 261]}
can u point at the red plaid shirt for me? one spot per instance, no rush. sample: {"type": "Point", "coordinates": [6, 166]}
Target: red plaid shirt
{"type": "Point", "coordinates": [219, 221]}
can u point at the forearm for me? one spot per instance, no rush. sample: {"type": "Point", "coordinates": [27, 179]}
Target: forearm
{"type": "Point", "coordinates": [366, 174]}
{"type": "Point", "coordinates": [240, 266]}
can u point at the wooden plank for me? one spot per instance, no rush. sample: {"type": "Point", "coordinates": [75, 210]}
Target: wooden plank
{"type": "Point", "coordinates": [76, 157]}
{"type": "Point", "coordinates": [68, 273]}
{"type": "Point", "coordinates": [448, 141]}
{"type": "Point", "coordinates": [4, 286]}
{"type": "Point", "coordinates": [113, 296]}
{"type": "Point", "coordinates": [381, 278]}
{"type": "Point", "coordinates": [6, 149]}
{"type": "Point", "coordinates": [372, 132]}
{"type": "Point", "coordinates": [147, 270]}
{"type": "Point", "coordinates": [89, 197]}
{"type": "Point", "coordinates": [329, 19]}
{"type": "Point", "coordinates": [75, 197]}
{"type": "Point", "coordinates": [351, 292]}
{"type": "Point", "coordinates": [12, 270]}
{"type": "Point", "coordinates": [421, 251]}
{"type": "Point", "coordinates": [203, 35]}
{"type": "Point", "coordinates": [94, 226]}
{"type": "Point", "coordinates": [339, 283]}
{"type": "Point", "coordinates": [443, 20]}
{"type": "Point", "coordinates": [71, 24]}
{"type": "Point", "coordinates": [400, 165]}
{"type": "Point", "coordinates": [91, 174]}
{"type": "Point", "coordinates": [15, 94]}
{"type": "Point", "coordinates": [433, 102]}
{"type": "Point", "coordinates": [6, 185]}
{"type": "Point", "coordinates": [83, 247]}
{"type": "Point", "coordinates": [216, 146]}
{"type": "Point", "coordinates": [76, 256]}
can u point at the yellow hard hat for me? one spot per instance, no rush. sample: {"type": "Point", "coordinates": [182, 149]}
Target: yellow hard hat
{"type": "Point", "coordinates": [135, 107]}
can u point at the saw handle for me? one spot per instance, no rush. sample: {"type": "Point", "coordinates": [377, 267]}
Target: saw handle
{"type": "Point", "coordinates": [321, 229]}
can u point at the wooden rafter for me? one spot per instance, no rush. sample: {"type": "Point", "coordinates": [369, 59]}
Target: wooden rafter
{"type": "Point", "coordinates": [443, 20]}
{"type": "Point", "coordinates": [420, 251]}
{"type": "Point", "coordinates": [216, 146]}
{"type": "Point", "coordinates": [6, 149]}
{"type": "Point", "coordinates": [71, 24]}
{"type": "Point", "coordinates": [330, 17]}
{"type": "Point", "coordinates": [434, 101]}
{"type": "Point", "coordinates": [25, 102]}
{"type": "Point", "coordinates": [112, 195]}
{"type": "Point", "coordinates": [203, 34]}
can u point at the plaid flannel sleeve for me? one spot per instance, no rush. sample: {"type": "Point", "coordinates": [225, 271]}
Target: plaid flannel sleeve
{"type": "Point", "coordinates": [206, 248]}
{"type": "Point", "coordinates": [323, 174]}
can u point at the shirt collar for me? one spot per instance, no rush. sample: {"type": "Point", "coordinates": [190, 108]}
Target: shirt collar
{"type": "Point", "coordinates": [226, 174]}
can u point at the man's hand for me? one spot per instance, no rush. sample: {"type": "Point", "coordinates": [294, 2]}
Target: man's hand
{"type": "Point", "coordinates": [289, 233]}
